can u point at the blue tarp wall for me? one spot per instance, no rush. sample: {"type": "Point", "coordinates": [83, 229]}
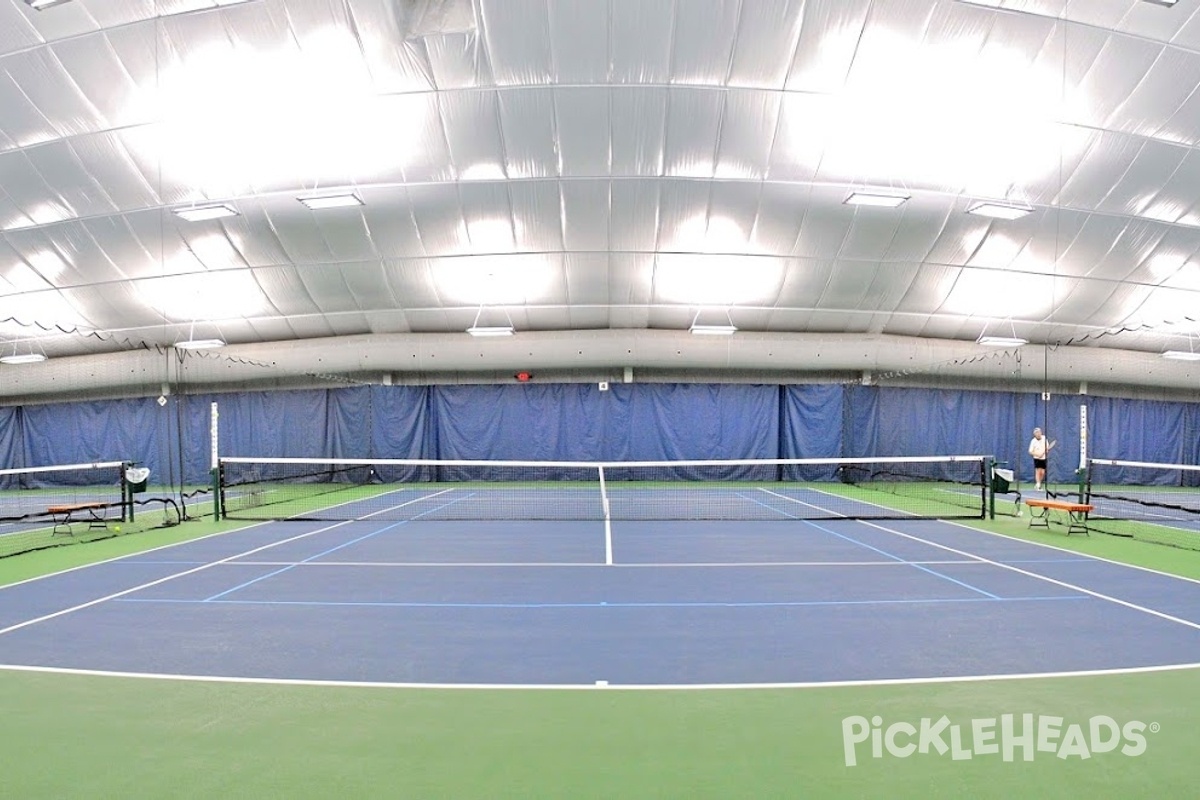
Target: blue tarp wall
{"type": "Point", "coordinates": [577, 422]}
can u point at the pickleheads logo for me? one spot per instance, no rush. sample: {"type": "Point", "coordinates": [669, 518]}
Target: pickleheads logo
{"type": "Point", "coordinates": [1009, 736]}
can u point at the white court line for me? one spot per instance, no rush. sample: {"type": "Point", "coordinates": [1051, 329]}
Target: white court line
{"type": "Point", "coordinates": [568, 687]}
{"type": "Point", "coordinates": [594, 565]}
{"type": "Point", "coordinates": [203, 567]}
{"type": "Point", "coordinates": [1027, 573]}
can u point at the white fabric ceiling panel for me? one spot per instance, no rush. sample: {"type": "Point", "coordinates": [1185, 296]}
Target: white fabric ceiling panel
{"type": "Point", "coordinates": [638, 129]}
{"type": "Point", "coordinates": [1187, 34]}
{"type": "Point", "coordinates": [1142, 183]}
{"type": "Point", "coordinates": [119, 243]}
{"type": "Point", "coordinates": [438, 214]}
{"type": "Point", "coordinates": [806, 124]}
{"type": "Point", "coordinates": [829, 35]}
{"type": "Point", "coordinates": [1177, 200]}
{"type": "Point", "coordinates": [824, 230]}
{"type": "Point", "coordinates": [111, 168]}
{"type": "Point", "coordinates": [368, 284]}
{"type": "Point", "coordinates": [634, 215]}
{"type": "Point", "coordinates": [391, 321]}
{"type": "Point", "coordinates": [748, 127]}
{"type": "Point", "coordinates": [870, 234]}
{"type": "Point", "coordinates": [1151, 105]}
{"type": "Point", "coordinates": [1118, 69]}
{"type": "Point", "coordinates": [693, 125]}
{"type": "Point", "coordinates": [1086, 253]}
{"type": "Point", "coordinates": [732, 217]}
{"type": "Point", "coordinates": [111, 85]}
{"type": "Point", "coordinates": [582, 121]}
{"type": "Point", "coordinates": [684, 222]}
{"type": "Point", "coordinates": [850, 286]}
{"type": "Point", "coordinates": [22, 121]}
{"type": "Point", "coordinates": [631, 280]}
{"type": "Point", "coordinates": [345, 232]}
{"type": "Point", "coordinates": [394, 65]}
{"type": "Point", "coordinates": [639, 41]}
{"type": "Point", "coordinates": [300, 240]}
{"type": "Point", "coordinates": [1133, 246]}
{"type": "Point", "coordinates": [487, 211]}
{"type": "Point", "coordinates": [29, 191]}
{"type": "Point", "coordinates": [1184, 123]}
{"type": "Point", "coordinates": [472, 125]}
{"type": "Point", "coordinates": [584, 214]}
{"type": "Point", "coordinates": [702, 42]}
{"type": "Point", "coordinates": [329, 290]}
{"type": "Point", "coordinates": [767, 34]}
{"type": "Point", "coordinates": [527, 124]}
{"type": "Point", "coordinates": [75, 188]}
{"type": "Point", "coordinates": [804, 282]}
{"type": "Point", "coordinates": [457, 61]}
{"type": "Point", "coordinates": [517, 36]}
{"type": "Point", "coordinates": [579, 42]}
{"type": "Point", "coordinates": [16, 28]}
{"type": "Point", "coordinates": [929, 288]}
{"type": "Point", "coordinates": [388, 217]}
{"type": "Point", "coordinates": [586, 277]}
{"type": "Point", "coordinates": [537, 216]}
{"type": "Point", "coordinates": [780, 216]}
{"type": "Point", "coordinates": [1109, 157]}
{"type": "Point", "coordinates": [923, 221]}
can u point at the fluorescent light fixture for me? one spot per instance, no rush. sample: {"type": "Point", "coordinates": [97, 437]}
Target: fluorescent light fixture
{"type": "Point", "coordinates": [713, 330]}
{"type": "Point", "coordinates": [877, 199]}
{"type": "Point", "coordinates": [1167, 3]}
{"type": "Point", "coordinates": [1002, 341]}
{"type": "Point", "coordinates": [332, 201]}
{"type": "Point", "coordinates": [999, 210]}
{"type": "Point", "coordinates": [490, 330]}
{"type": "Point", "coordinates": [205, 213]}
{"type": "Point", "coordinates": [1181, 355]}
{"type": "Point", "coordinates": [24, 358]}
{"type": "Point", "coordinates": [40, 5]}
{"type": "Point", "coordinates": [200, 344]}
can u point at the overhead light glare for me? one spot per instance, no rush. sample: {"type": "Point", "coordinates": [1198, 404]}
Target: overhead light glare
{"type": "Point", "coordinates": [1002, 341]}
{"type": "Point", "coordinates": [999, 210]}
{"type": "Point", "coordinates": [1167, 3]}
{"type": "Point", "coordinates": [200, 344]}
{"type": "Point", "coordinates": [205, 213]}
{"type": "Point", "coordinates": [1181, 355]}
{"type": "Point", "coordinates": [713, 330]}
{"type": "Point", "coordinates": [41, 5]}
{"type": "Point", "coordinates": [876, 199]}
{"type": "Point", "coordinates": [23, 358]}
{"type": "Point", "coordinates": [332, 201]}
{"type": "Point", "coordinates": [490, 330]}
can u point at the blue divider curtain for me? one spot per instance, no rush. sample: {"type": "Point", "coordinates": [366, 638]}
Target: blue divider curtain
{"type": "Point", "coordinates": [577, 422]}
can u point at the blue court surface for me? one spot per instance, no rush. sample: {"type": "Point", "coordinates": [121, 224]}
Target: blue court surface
{"type": "Point", "coordinates": [537, 603]}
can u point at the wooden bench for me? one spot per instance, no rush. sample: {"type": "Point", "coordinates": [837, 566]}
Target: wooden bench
{"type": "Point", "coordinates": [62, 514]}
{"type": "Point", "coordinates": [1077, 514]}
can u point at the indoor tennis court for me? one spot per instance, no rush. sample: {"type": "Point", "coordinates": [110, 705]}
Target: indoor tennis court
{"type": "Point", "coordinates": [599, 398]}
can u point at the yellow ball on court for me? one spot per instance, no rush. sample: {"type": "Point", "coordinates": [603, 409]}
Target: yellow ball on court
{"type": "Point", "coordinates": [117, 528]}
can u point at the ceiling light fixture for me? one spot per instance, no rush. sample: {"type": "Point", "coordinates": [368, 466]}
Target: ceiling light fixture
{"type": "Point", "coordinates": [876, 199]}
{"type": "Point", "coordinates": [1167, 3]}
{"type": "Point", "coordinates": [42, 5]}
{"type": "Point", "coordinates": [1002, 341]}
{"type": "Point", "coordinates": [491, 330]}
{"type": "Point", "coordinates": [200, 344]}
{"type": "Point", "coordinates": [713, 330]}
{"type": "Point", "coordinates": [206, 212]}
{"type": "Point", "coordinates": [22, 358]}
{"type": "Point", "coordinates": [1000, 210]}
{"type": "Point", "coordinates": [331, 201]}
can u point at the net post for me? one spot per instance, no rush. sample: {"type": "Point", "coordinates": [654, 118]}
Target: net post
{"type": "Point", "coordinates": [989, 485]}
{"type": "Point", "coordinates": [215, 469]}
{"type": "Point", "coordinates": [126, 493]}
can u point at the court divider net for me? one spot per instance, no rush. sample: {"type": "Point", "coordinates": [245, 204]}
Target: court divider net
{"type": "Point", "coordinates": [1153, 501]}
{"type": "Point", "coordinates": [935, 487]}
{"type": "Point", "coordinates": [47, 506]}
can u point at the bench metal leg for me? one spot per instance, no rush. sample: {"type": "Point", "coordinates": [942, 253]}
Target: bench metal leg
{"type": "Point", "coordinates": [1039, 520]}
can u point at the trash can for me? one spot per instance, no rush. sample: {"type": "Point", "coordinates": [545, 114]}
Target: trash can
{"type": "Point", "coordinates": [136, 477]}
{"type": "Point", "coordinates": [1002, 480]}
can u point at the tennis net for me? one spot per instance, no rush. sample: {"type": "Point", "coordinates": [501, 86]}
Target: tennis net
{"type": "Point", "coordinates": [1145, 500]}
{"type": "Point", "coordinates": [751, 489]}
{"type": "Point", "coordinates": [51, 505]}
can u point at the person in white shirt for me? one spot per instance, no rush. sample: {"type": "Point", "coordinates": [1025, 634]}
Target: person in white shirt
{"type": "Point", "coordinates": [1039, 448]}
